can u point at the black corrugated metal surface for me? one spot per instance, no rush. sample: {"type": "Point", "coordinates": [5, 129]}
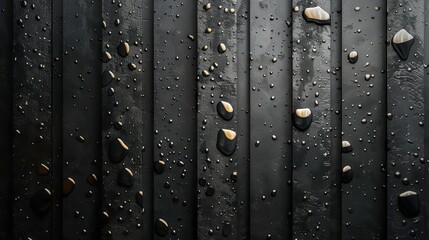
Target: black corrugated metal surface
{"type": "Point", "coordinates": [193, 134]}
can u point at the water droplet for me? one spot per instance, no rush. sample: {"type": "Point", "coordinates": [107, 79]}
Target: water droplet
{"type": "Point", "coordinates": [106, 57]}
{"type": "Point", "coordinates": [40, 202]}
{"type": "Point", "coordinates": [302, 118]}
{"type": "Point", "coordinates": [206, 73]}
{"type": "Point", "coordinates": [117, 150]}
{"type": "Point", "coordinates": [132, 66]}
{"type": "Point", "coordinates": [42, 170]}
{"type": "Point", "coordinates": [346, 147]}
{"type": "Point", "coordinates": [139, 198]}
{"type": "Point", "coordinates": [347, 174]}
{"type": "Point", "coordinates": [92, 179]}
{"type": "Point", "coordinates": [159, 166]}
{"type": "Point", "coordinates": [123, 49]}
{"type": "Point", "coordinates": [210, 191]}
{"type": "Point", "coordinates": [221, 48]}
{"type": "Point", "coordinates": [68, 186]}
{"type": "Point", "coordinates": [161, 227]}
{"type": "Point", "coordinates": [234, 176]}
{"type": "Point", "coordinates": [353, 57]}
{"type": "Point", "coordinates": [227, 229]}
{"type": "Point", "coordinates": [226, 141]}
{"type": "Point", "coordinates": [317, 15]}
{"type": "Point", "coordinates": [402, 43]}
{"type": "Point", "coordinates": [225, 110]}
{"type": "Point", "coordinates": [207, 6]}
{"type": "Point", "coordinates": [108, 77]}
{"type": "Point", "coordinates": [409, 204]}
{"type": "Point", "coordinates": [125, 177]}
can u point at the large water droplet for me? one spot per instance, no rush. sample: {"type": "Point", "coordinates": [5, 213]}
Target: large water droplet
{"type": "Point", "coordinates": [302, 118]}
{"type": "Point", "coordinates": [161, 227]}
{"type": "Point", "coordinates": [353, 57]}
{"type": "Point", "coordinates": [159, 166]}
{"type": "Point", "coordinates": [409, 204]}
{"type": "Point", "coordinates": [402, 43]}
{"type": "Point", "coordinates": [125, 177]}
{"type": "Point", "coordinates": [40, 202]}
{"type": "Point", "coordinates": [347, 174]}
{"type": "Point", "coordinates": [225, 110]}
{"type": "Point", "coordinates": [123, 49]}
{"type": "Point", "coordinates": [346, 147]}
{"type": "Point", "coordinates": [117, 150]}
{"type": "Point", "coordinates": [68, 186]}
{"type": "Point", "coordinates": [317, 15]}
{"type": "Point", "coordinates": [221, 48]}
{"type": "Point", "coordinates": [226, 141]}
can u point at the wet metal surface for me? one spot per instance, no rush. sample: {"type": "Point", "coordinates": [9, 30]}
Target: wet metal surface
{"type": "Point", "coordinates": [270, 111]}
{"type": "Point", "coordinates": [405, 126]}
{"type": "Point", "coordinates": [32, 116]}
{"type": "Point", "coordinates": [175, 117]}
{"type": "Point", "coordinates": [311, 83]}
{"type": "Point", "coordinates": [364, 119]}
{"type": "Point", "coordinates": [217, 80]}
{"type": "Point", "coordinates": [81, 154]}
{"type": "Point", "coordinates": [240, 119]}
{"type": "Point", "coordinates": [122, 119]}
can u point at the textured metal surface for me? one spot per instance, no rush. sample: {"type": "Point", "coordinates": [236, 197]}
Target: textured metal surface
{"type": "Point", "coordinates": [405, 130]}
{"type": "Point", "coordinates": [147, 108]}
{"type": "Point", "coordinates": [243, 115]}
{"type": "Point", "coordinates": [81, 154]}
{"type": "Point", "coordinates": [122, 119]}
{"type": "Point", "coordinates": [364, 119]}
{"type": "Point", "coordinates": [336, 118]}
{"type": "Point", "coordinates": [6, 81]}
{"type": "Point", "coordinates": [270, 120]}
{"type": "Point", "coordinates": [312, 168]}
{"type": "Point", "coordinates": [217, 214]}
{"type": "Point", "coordinates": [426, 109]}
{"type": "Point", "coordinates": [62, 117]}
{"type": "Point", "coordinates": [175, 50]}
{"type": "Point", "coordinates": [57, 118]}
{"type": "Point", "coordinates": [32, 120]}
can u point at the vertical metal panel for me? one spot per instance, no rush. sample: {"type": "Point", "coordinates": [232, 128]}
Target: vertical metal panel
{"type": "Point", "coordinates": [82, 119]}
{"type": "Point", "coordinates": [57, 118]}
{"type": "Point", "coordinates": [364, 119]}
{"type": "Point", "coordinates": [32, 119]}
{"type": "Point", "coordinates": [217, 200]}
{"type": "Point", "coordinates": [426, 109]}
{"type": "Point", "coordinates": [311, 148]}
{"type": "Point", "coordinates": [335, 111]}
{"type": "Point", "coordinates": [147, 107]}
{"type": "Point", "coordinates": [6, 81]}
{"type": "Point", "coordinates": [122, 119]}
{"type": "Point", "coordinates": [175, 50]}
{"type": "Point", "coordinates": [405, 108]}
{"type": "Point", "coordinates": [270, 121]}
{"type": "Point", "coordinates": [243, 117]}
